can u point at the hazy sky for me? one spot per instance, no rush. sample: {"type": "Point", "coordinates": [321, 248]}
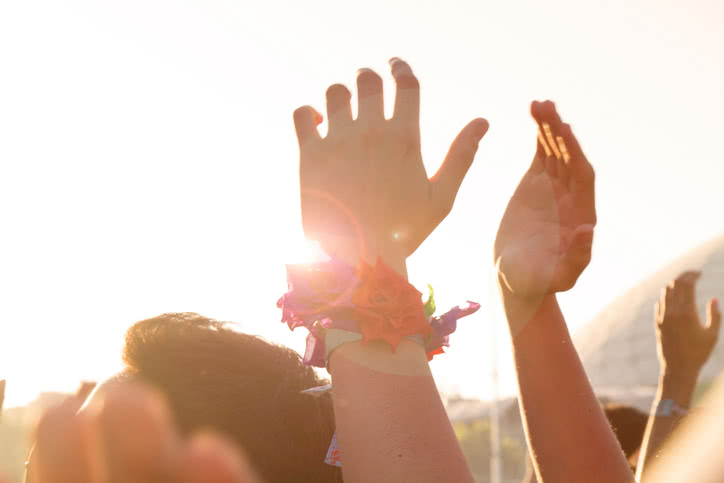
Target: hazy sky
{"type": "Point", "coordinates": [149, 163]}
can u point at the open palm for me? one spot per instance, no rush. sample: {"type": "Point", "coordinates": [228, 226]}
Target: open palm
{"type": "Point", "coordinates": [364, 184]}
{"type": "Point", "coordinates": [544, 239]}
{"type": "Point", "coordinates": [684, 344]}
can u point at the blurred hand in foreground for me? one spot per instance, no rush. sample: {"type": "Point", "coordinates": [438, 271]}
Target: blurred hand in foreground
{"type": "Point", "coordinates": [684, 344]}
{"type": "Point", "coordinates": [544, 239]}
{"type": "Point", "coordinates": [364, 189]}
{"type": "Point", "coordinates": [127, 438]}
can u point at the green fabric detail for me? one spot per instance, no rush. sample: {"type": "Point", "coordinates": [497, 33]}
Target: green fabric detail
{"type": "Point", "coordinates": [430, 304]}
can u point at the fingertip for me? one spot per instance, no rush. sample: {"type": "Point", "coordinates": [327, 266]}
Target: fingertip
{"type": "Point", "coordinates": [338, 90]}
{"type": "Point", "coordinates": [713, 315]}
{"type": "Point", "coordinates": [305, 113]}
{"type": "Point", "coordinates": [714, 306]}
{"type": "Point", "coordinates": [368, 79]}
{"type": "Point", "coordinates": [403, 75]}
{"type": "Point", "coordinates": [306, 119]}
{"type": "Point", "coordinates": [548, 107]}
{"type": "Point", "coordinates": [540, 108]}
{"type": "Point", "coordinates": [480, 128]}
{"type": "Point", "coordinates": [535, 109]}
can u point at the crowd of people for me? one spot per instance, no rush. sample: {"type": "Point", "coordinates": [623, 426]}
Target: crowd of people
{"type": "Point", "coordinates": [201, 402]}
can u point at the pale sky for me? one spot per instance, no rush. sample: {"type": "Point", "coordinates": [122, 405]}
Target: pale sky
{"type": "Point", "coordinates": [149, 163]}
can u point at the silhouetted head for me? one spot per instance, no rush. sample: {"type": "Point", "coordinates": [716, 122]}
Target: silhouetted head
{"type": "Point", "coordinates": [629, 424]}
{"type": "Point", "coordinates": [239, 385]}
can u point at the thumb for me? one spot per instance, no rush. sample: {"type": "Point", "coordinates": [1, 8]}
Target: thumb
{"type": "Point", "coordinates": [446, 182]}
{"type": "Point", "coordinates": [713, 316]}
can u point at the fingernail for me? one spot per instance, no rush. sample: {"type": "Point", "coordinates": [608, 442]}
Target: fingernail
{"type": "Point", "coordinates": [393, 60]}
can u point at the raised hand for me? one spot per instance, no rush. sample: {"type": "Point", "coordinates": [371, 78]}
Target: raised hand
{"type": "Point", "coordinates": [364, 188]}
{"type": "Point", "coordinates": [544, 239]}
{"type": "Point", "coordinates": [130, 438]}
{"type": "Point", "coordinates": [684, 344]}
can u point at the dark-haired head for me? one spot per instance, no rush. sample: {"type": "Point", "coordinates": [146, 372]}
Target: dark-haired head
{"type": "Point", "coordinates": [629, 424]}
{"type": "Point", "coordinates": [239, 385]}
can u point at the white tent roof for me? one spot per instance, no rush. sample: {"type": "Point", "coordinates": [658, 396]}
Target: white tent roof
{"type": "Point", "coordinates": [618, 348]}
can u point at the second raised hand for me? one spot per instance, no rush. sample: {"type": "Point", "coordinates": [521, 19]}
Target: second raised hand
{"type": "Point", "coordinates": [544, 240]}
{"type": "Point", "coordinates": [364, 189]}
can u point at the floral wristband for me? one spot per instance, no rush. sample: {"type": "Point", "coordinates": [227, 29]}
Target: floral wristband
{"type": "Point", "coordinates": [372, 303]}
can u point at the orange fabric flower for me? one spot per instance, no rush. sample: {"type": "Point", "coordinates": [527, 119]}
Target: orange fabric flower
{"type": "Point", "coordinates": [387, 307]}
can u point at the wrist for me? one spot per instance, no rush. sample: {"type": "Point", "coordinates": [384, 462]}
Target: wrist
{"type": "Point", "coordinates": [352, 250]}
{"type": "Point", "coordinates": [678, 386]}
{"type": "Point", "coordinates": [678, 375]}
{"type": "Point", "coordinates": [521, 300]}
{"type": "Point", "coordinates": [521, 310]}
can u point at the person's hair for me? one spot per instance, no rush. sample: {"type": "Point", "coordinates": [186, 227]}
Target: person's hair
{"type": "Point", "coordinates": [629, 424]}
{"type": "Point", "coordinates": [241, 386]}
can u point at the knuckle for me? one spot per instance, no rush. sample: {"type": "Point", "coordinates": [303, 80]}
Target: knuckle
{"type": "Point", "coordinates": [548, 105]}
{"type": "Point", "coordinates": [406, 142]}
{"type": "Point", "coordinates": [371, 134]}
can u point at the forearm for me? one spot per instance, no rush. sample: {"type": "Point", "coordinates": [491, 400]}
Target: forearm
{"type": "Point", "coordinates": [391, 423]}
{"type": "Point", "coordinates": [565, 426]}
{"type": "Point", "coordinates": [678, 388]}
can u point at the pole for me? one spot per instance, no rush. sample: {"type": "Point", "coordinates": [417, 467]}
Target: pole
{"type": "Point", "coordinates": [496, 463]}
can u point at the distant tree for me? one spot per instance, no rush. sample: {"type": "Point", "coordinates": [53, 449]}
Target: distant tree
{"type": "Point", "coordinates": [13, 444]}
{"type": "Point", "coordinates": [474, 438]}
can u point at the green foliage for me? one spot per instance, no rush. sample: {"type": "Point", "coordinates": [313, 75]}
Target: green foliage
{"type": "Point", "coordinates": [13, 444]}
{"type": "Point", "coordinates": [700, 392]}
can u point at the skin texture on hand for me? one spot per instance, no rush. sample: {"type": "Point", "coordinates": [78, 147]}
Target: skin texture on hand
{"type": "Point", "coordinates": [128, 437]}
{"type": "Point", "coordinates": [683, 345]}
{"type": "Point", "coordinates": [364, 189]}
{"type": "Point", "coordinates": [542, 247]}
{"type": "Point", "coordinates": [365, 194]}
{"type": "Point", "coordinates": [544, 239]}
